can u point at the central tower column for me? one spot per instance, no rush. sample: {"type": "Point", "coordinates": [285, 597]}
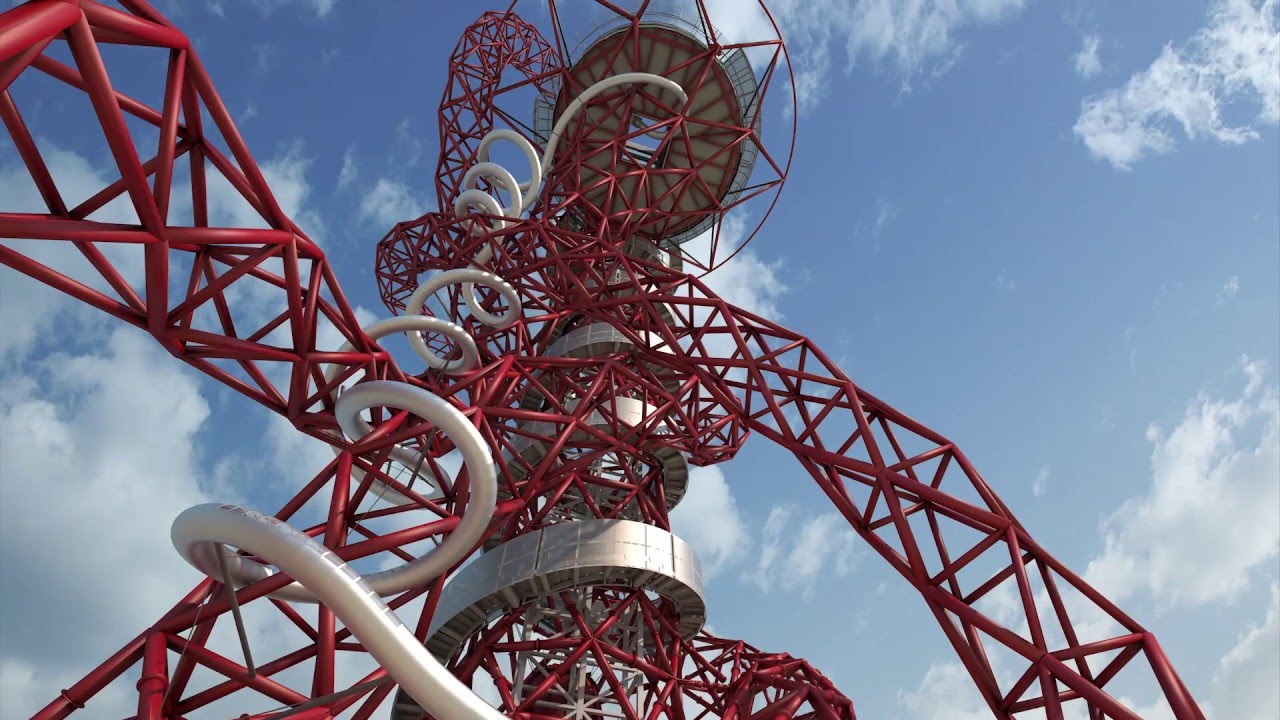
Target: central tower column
{"type": "Point", "coordinates": [585, 605]}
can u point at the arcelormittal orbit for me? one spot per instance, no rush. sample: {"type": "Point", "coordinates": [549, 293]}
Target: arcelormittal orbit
{"type": "Point", "coordinates": [572, 366]}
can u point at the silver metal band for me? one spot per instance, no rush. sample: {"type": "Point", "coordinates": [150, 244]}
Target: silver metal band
{"type": "Point", "coordinates": [566, 556]}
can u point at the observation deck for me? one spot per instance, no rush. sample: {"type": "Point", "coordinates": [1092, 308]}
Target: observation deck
{"type": "Point", "coordinates": [670, 178]}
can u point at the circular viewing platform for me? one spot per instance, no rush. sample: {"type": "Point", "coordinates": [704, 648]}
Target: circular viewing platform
{"type": "Point", "coordinates": [669, 179]}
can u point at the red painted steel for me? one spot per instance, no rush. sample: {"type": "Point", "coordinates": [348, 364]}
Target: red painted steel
{"type": "Point", "coordinates": [708, 373]}
{"type": "Point", "coordinates": [705, 676]}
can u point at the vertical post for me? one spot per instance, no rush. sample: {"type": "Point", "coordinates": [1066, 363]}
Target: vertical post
{"type": "Point", "coordinates": [334, 538]}
{"type": "Point", "coordinates": [155, 678]}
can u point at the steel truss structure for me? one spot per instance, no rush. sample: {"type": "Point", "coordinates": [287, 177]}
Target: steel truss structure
{"type": "Point", "coordinates": [573, 359]}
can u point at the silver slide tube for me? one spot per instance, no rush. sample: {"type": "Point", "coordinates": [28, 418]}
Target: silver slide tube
{"type": "Point", "coordinates": [203, 533]}
{"type": "Point", "coordinates": [343, 591]}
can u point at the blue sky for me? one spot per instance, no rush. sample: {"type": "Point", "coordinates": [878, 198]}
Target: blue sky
{"type": "Point", "coordinates": [1050, 231]}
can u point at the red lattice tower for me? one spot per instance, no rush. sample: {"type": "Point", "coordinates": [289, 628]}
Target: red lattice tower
{"type": "Point", "coordinates": [618, 370]}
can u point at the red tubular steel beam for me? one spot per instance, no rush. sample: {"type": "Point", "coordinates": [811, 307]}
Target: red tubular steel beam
{"type": "Point", "coordinates": [772, 381]}
{"type": "Point", "coordinates": [155, 678]}
{"type": "Point", "coordinates": [72, 77]}
{"type": "Point", "coordinates": [334, 538]}
{"type": "Point", "coordinates": [136, 29]}
{"type": "Point", "coordinates": [33, 23]}
{"type": "Point", "coordinates": [11, 68]}
{"type": "Point", "coordinates": [26, 146]}
{"type": "Point", "coordinates": [77, 695]}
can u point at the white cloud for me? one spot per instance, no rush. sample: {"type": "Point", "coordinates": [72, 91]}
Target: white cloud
{"type": "Point", "coordinates": [912, 34]}
{"type": "Point", "coordinates": [946, 692]}
{"type": "Point", "coordinates": [1087, 61]}
{"type": "Point", "coordinates": [886, 213]}
{"type": "Point", "coordinates": [115, 439]}
{"type": "Point", "coordinates": [347, 174]}
{"type": "Point", "coordinates": [708, 519]}
{"type": "Point", "coordinates": [252, 301]}
{"type": "Point", "coordinates": [99, 456]}
{"type": "Point", "coordinates": [388, 203]}
{"type": "Point", "coordinates": [1207, 521]}
{"type": "Point", "coordinates": [29, 307]}
{"type": "Point", "coordinates": [911, 38]}
{"type": "Point", "coordinates": [409, 144]}
{"type": "Point", "coordinates": [295, 456]}
{"type": "Point", "coordinates": [1041, 484]}
{"type": "Point", "coordinates": [1005, 283]}
{"type": "Point", "coordinates": [1209, 516]}
{"type": "Point", "coordinates": [1244, 683]}
{"type": "Point", "coordinates": [1229, 290]}
{"type": "Point", "coordinates": [113, 436]}
{"type": "Point", "coordinates": [286, 175]}
{"type": "Point", "coordinates": [25, 689]}
{"type": "Point", "coordinates": [1234, 58]}
{"type": "Point", "coordinates": [320, 7]}
{"type": "Point", "coordinates": [1243, 686]}
{"type": "Point", "coordinates": [794, 556]}
{"type": "Point", "coordinates": [751, 284]}
{"type": "Point", "coordinates": [745, 281]}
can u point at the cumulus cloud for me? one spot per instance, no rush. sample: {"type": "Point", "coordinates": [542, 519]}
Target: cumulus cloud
{"type": "Point", "coordinates": [946, 692]}
{"type": "Point", "coordinates": [29, 309]}
{"type": "Point", "coordinates": [108, 443]}
{"type": "Point", "coordinates": [1243, 687]}
{"type": "Point", "coordinates": [1235, 58]}
{"type": "Point", "coordinates": [389, 202]}
{"type": "Point", "coordinates": [795, 549]}
{"type": "Point", "coordinates": [286, 174]}
{"type": "Point", "coordinates": [708, 519]}
{"type": "Point", "coordinates": [293, 456]}
{"type": "Point", "coordinates": [793, 555]}
{"type": "Point", "coordinates": [96, 446]}
{"type": "Point", "coordinates": [907, 39]}
{"type": "Point", "coordinates": [1086, 60]}
{"type": "Point", "coordinates": [750, 283]}
{"type": "Point", "coordinates": [1208, 518]}
{"type": "Point", "coordinates": [1244, 683]}
{"type": "Point", "coordinates": [1194, 538]}
{"type": "Point", "coordinates": [746, 280]}
{"type": "Point", "coordinates": [910, 35]}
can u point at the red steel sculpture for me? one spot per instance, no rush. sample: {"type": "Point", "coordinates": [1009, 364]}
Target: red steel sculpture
{"type": "Point", "coordinates": [576, 362]}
